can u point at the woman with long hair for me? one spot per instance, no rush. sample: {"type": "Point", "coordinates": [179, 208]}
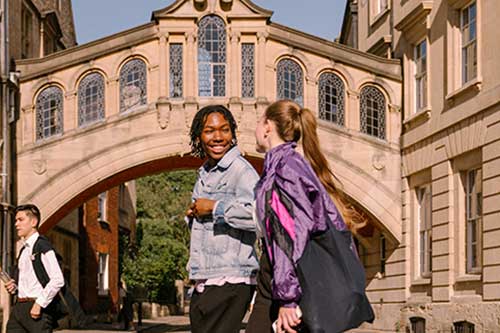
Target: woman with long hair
{"type": "Point", "coordinates": [304, 192]}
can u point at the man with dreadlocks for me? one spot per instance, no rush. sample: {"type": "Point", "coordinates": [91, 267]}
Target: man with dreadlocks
{"type": "Point", "coordinates": [222, 259]}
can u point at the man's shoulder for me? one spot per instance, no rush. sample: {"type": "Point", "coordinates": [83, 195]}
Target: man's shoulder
{"type": "Point", "coordinates": [42, 245]}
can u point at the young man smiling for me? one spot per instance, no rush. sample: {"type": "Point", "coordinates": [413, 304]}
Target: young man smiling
{"type": "Point", "coordinates": [222, 258]}
{"type": "Point", "coordinates": [30, 314]}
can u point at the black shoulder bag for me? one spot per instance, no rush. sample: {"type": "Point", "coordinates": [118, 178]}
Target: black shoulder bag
{"type": "Point", "coordinates": [333, 283]}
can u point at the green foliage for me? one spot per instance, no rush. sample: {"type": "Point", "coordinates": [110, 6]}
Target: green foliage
{"type": "Point", "coordinates": [161, 251]}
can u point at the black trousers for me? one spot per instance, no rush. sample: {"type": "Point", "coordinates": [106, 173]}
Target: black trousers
{"type": "Point", "coordinates": [219, 309]}
{"type": "Point", "coordinates": [265, 310]}
{"type": "Point", "coordinates": [20, 320]}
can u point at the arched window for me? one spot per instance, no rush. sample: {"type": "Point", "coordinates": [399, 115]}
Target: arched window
{"type": "Point", "coordinates": [463, 327]}
{"type": "Point", "coordinates": [49, 113]}
{"type": "Point", "coordinates": [211, 57]}
{"type": "Point", "coordinates": [417, 325]}
{"type": "Point", "coordinates": [290, 81]}
{"type": "Point", "coordinates": [331, 98]}
{"type": "Point", "coordinates": [91, 99]}
{"type": "Point", "coordinates": [372, 112]}
{"type": "Point", "coordinates": [133, 91]}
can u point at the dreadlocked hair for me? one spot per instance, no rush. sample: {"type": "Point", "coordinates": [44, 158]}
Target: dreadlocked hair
{"type": "Point", "coordinates": [199, 121]}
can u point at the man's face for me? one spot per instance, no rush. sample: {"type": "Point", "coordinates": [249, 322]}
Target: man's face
{"type": "Point", "coordinates": [216, 136]}
{"type": "Point", "coordinates": [25, 224]}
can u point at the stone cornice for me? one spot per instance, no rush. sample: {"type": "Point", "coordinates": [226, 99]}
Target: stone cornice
{"type": "Point", "coordinates": [384, 67]}
{"type": "Point", "coordinates": [32, 68]}
{"type": "Point", "coordinates": [417, 14]}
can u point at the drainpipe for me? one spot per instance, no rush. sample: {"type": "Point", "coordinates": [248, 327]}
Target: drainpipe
{"type": "Point", "coordinates": [6, 142]}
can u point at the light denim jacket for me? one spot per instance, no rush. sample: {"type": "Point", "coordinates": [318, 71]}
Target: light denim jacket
{"type": "Point", "coordinates": [223, 245]}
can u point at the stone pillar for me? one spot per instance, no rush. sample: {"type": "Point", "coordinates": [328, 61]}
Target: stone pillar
{"type": "Point", "coordinates": [260, 69]}
{"type": "Point", "coordinates": [352, 111]}
{"type": "Point", "coordinates": [191, 80]}
{"type": "Point", "coordinates": [70, 111]}
{"type": "Point", "coordinates": [234, 72]}
{"type": "Point", "coordinates": [164, 54]}
{"type": "Point", "coordinates": [443, 226]}
{"type": "Point", "coordinates": [28, 121]}
{"type": "Point", "coordinates": [491, 214]}
{"type": "Point", "coordinates": [113, 96]}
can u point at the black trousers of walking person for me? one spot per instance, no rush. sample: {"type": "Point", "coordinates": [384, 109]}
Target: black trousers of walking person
{"type": "Point", "coordinates": [20, 320]}
{"type": "Point", "coordinates": [220, 309]}
{"type": "Point", "coordinates": [265, 310]}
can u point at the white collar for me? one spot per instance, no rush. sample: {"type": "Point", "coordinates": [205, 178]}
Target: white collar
{"type": "Point", "coordinates": [30, 241]}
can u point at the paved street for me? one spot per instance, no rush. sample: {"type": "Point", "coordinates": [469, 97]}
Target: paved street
{"type": "Point", "coordinates": [178, 324]}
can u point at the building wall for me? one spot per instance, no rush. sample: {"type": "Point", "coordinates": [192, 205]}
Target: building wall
{"type": "Point", "coordinates": [98, 236]}
{"type": "Point", "coordinates": [39, 10]}
{"type": "Point", "coordinates": [455, 131]}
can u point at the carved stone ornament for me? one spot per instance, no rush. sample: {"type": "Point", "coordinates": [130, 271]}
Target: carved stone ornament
{"type": "Point", "coordinates": [379, 161]}
{"type": "Point", "coordinates": [39, 166]}
{"type": "Point", "coordinates": [163, 109]}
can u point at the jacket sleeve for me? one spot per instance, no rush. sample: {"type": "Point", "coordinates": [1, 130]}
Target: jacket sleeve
{"type": "Point", "coordinates": [237, 210]}
{"type": "Point", "coordinates": [293, 205]}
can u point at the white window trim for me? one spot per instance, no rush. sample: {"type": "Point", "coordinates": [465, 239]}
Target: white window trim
{"type": "Point", "coordinates": [455, 85]}
{"type": "Point", "coordinates": [421, 273]}
{"type": "Point", "coordinates": [104, 212]}
{"type": "Point", "coordinates": [416, 108]}
{"type": "Point", "coordinates": [103, 289]}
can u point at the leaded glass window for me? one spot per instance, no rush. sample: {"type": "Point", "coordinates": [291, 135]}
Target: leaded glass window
{"type": "Point", "coordinates": [373, 112]}
{"type": "Point", "coordinates": [91, 99]}
{"type": "Point", "coordinates": [247, 70]}
{"type": "Point", "coordinates": [290, 81]}
{"type": "Point", "coordinates": [331, 98]}
{"type": "Point", "coordinates": [175, 64]}
{"type": "Point", "coordinates": [211, 57]}
{"type": "Point", "coordinates": [133, 80]}
{"type": "Point", "coordinates": [49, 113]}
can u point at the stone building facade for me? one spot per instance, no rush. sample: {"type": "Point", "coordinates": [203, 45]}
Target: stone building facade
{"type": "Point", "coordinates": [120, 108]}
{"type": "Point", "coordinates": [450, 147]}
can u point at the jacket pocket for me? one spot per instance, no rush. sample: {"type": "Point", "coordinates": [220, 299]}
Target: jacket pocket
{"type": "Point", "coordinates": [215, 238]}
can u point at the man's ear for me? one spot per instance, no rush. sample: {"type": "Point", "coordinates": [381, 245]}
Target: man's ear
{"type": "Point", "coordinates": [34, 222]}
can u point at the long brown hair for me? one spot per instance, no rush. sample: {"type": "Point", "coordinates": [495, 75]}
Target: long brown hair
{"type": "Point", "coordinates": [294, 123]}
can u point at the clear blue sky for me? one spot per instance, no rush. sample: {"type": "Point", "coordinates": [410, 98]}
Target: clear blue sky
{"type": "Point", "coordinates": [99, 18]}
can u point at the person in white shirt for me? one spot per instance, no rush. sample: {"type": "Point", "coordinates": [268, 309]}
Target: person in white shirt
{"type": "Point", "coordinates": [30, 312]}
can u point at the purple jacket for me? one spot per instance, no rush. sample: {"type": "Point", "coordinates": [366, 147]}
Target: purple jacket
{"type": "Point", "coordinates": [291, 205]}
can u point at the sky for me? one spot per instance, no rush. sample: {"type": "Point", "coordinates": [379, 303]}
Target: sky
{"type": "Point", "coordinates": [99, 18]}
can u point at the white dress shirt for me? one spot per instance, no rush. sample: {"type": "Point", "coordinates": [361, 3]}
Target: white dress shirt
{"type": "Point", "coordinates": [28, 285]}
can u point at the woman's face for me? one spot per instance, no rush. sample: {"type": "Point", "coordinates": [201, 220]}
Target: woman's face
{"type": "Point", "coordinates": [216, 136]}
{"type": "Point", "coordinates": [262, 135]}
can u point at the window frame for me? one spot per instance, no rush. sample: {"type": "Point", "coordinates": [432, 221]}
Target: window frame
{"type": "Point", "coordinates": [420, 92]}
{"type": "Point", "coordinates": [97, 97]}
{"type": "Point", "coordinates": [473, 222]}
{"type": "Point", "coordinates": [423, 195]}
{"type": "Point", "coordinates": [283, 85]}
{"type": "Point", "coordinates": [366, 128]}
{"type": "Point", "coordinates": [215, 81]}
{"type": "Point", "coordinates": [247, 70]}
{"type": "Point", "coordinates": [467, 77]}
{"type": "Point", "coordinates": [102, 274]}
{"type": "Point", "coordinates": [140, 81]}
{"type": "Point", "coordinates": [102, 203]}
{"type": "Point", "coordinates": [56, 113]}
{"type": "Point", "coordinates": [176, 70]}
{"type": "Point", "coordinates": [331, 79]}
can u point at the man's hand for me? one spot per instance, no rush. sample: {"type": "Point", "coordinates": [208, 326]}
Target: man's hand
{"type": "Point", "coordinates": [287, 318]}
{"type": "Point", "coordinates": [201, 207]}
{"type": "Point", "coordinates": [11, 287]}
{"type": "Point", "coordinates": [36, 311]}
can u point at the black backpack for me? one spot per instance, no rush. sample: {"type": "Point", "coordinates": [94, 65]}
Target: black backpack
{"type": "Point", "coordinates": [64, 303]}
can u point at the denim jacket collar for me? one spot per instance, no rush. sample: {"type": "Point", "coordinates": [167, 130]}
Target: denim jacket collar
{"type": "Point", "coordinates": [225, 161]}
